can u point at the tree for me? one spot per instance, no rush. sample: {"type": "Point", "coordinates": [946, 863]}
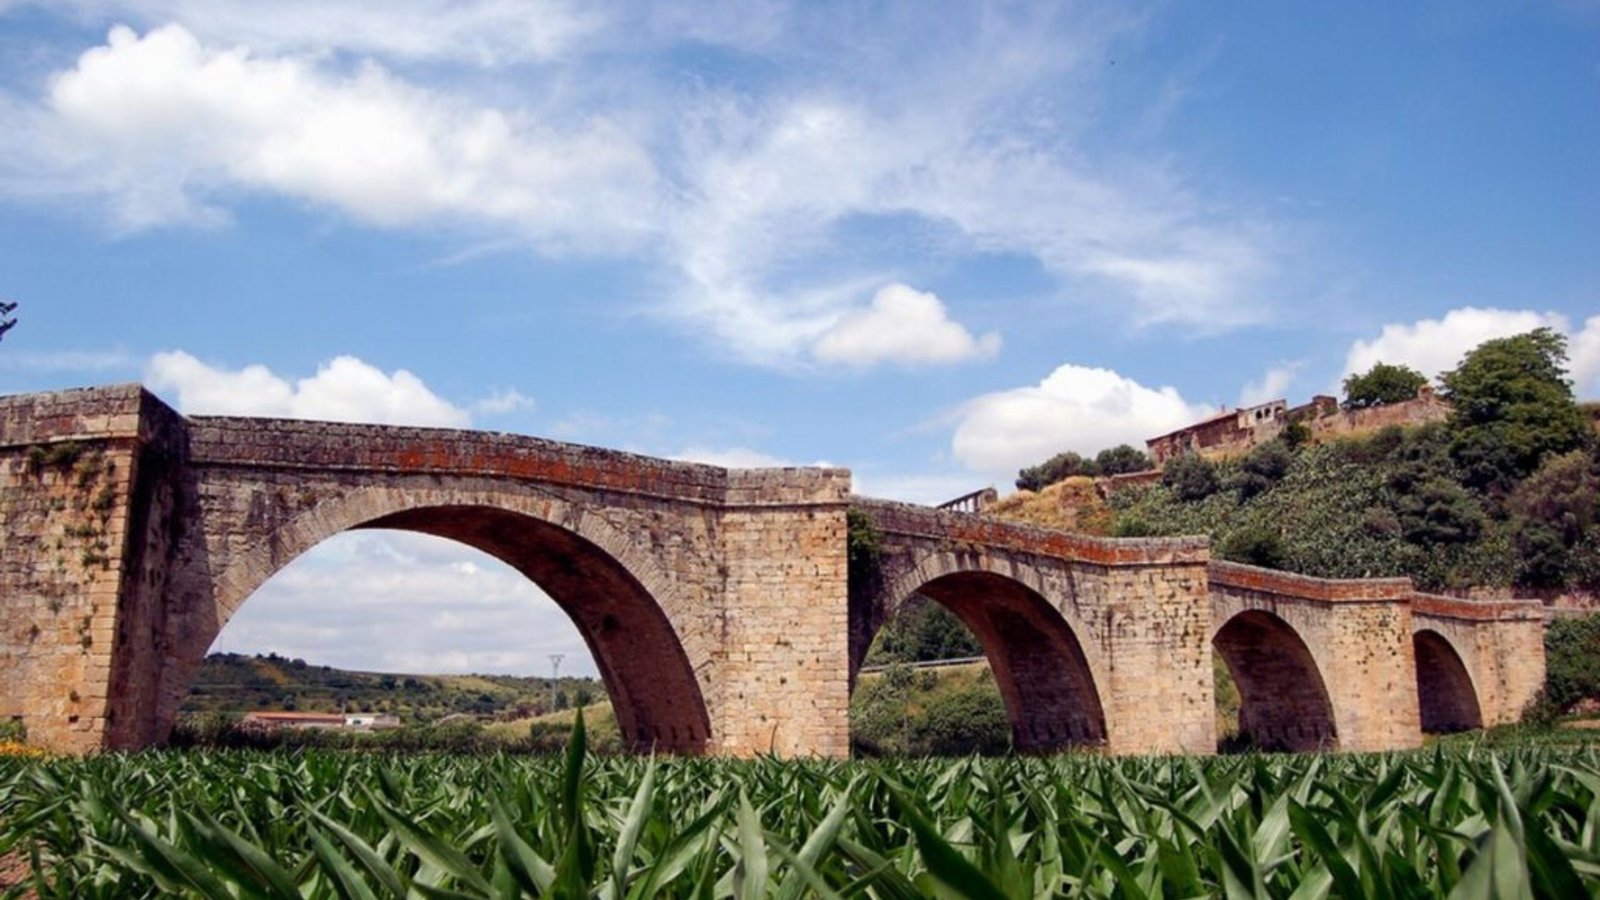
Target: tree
{"type": "Point", "coordinates": [1512, 407]}
{"type": "Point", "coordinates": [1382, 384]}
{"type": "Point", "coordinates": [1191, 477]}
{"type": "Point", "coordinates": [1122, 459]}
{"type": "Point", "coordinates": [1058, 467]}
{"type": "Point", "coordinates": [1263, 467]}
{"type": "Point", "coordinates": [1552, 512]}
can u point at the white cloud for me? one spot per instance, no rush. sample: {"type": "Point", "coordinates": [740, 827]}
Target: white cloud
{"type": "Point", "coordinates": [345, 389]}
{"type": "Point", "coordinates": [503, 401]}
{"type": "Point", "coordinates": [1585, 358]}
{"type": "Point", "coordinates": [488, 32]}
{"type": "Point", "coordinates": [1273, 385]}
{"type": "Point", "coordinates": [1075, 408]}
{"type": "Point", "coordinates": [1432, 346]}
{"type": "Point", "coordinates": [968, 138]}
{"type": "Point", "coordinates": [165, 128]}
{"type": "Point", "coordinates": [770, 184]}
{"type": "Point", "coordinates": [902, 325]}
{"type": "Point", "coordinates": [356, 601]}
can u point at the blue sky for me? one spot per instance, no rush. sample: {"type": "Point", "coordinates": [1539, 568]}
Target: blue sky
{"type": "Point", "coordinates": [930, 247]}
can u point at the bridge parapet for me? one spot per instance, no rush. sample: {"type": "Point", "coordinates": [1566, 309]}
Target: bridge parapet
{"type": "Point", "coordinates": [291, 444]}
{"type": "Point", "coordinates": [1238, 576]}
{"type": "Point", "coordinates": [956, 528]}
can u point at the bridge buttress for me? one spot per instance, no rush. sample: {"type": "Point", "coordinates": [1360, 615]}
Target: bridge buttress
{"type": "Point", "coordinates": [1159, 693]}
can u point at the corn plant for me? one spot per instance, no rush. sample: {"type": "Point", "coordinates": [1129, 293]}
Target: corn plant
{"type": "Point", "coordinates": [1459, 822]}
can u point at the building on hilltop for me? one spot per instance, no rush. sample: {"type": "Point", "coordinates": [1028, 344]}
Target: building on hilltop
{"type": "Point", "coordinates": [1235, 432]}
{"type": "Point", "coordinates": [1227, 433]}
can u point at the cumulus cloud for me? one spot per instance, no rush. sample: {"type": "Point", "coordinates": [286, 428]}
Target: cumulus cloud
{"type": "Point", "coordinates": [901, 325]}
{"type": "Point", "coordinates": [164, 128]}
{"type": "Point", "coordinates": [1273, 385]}
{"type": "Point", "coordinates": [345, 389]}
{"type": "Point", "coordinates": [743, 196]}
{"type": "Point", "coordinates": [1074, 408]}
{"type": "Point", "coordinates": [356, 601]}
{"type": "Point", "coordinates": [488, 32]}
{"type": "Point", "coordinates": [1432, 346]}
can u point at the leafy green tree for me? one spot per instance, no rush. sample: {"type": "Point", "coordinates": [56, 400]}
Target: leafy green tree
{"type": "Point", "coordinates": [1056, 468]}
{"type": "Point", "coordinates": [1122, 459]}
{"type": "Point", "coordinates": [1382, 384]}
{"type": "Point", "coordinates": [1552, 512]}
{"type": "Point", "coordinates": [1191, 477]}
{"type": "Point", "coordinates": [1512, 407]}
{"type": "Point", "coordinates": [1263, 467]}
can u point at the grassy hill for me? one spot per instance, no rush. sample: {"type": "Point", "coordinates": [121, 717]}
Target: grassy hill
{"type": "Point", "coordinates": [236, 683]}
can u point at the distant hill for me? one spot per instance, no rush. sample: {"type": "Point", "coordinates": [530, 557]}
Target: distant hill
{"type": "Point", "coordinates": [236, 683]}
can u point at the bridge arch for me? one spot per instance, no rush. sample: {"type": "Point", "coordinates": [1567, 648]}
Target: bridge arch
{"type": "Point", "coordinates": [1045, 677]}
{"type": "Point", "coordinates": [1283, 701]}
{"type": "Point", "coordinates": [1446, 697]}
{"type": "Point", "coordinates": [624, 607]}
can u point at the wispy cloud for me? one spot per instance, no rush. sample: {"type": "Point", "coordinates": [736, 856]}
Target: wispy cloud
{"type": "Point", "coordinates": [739, 193]}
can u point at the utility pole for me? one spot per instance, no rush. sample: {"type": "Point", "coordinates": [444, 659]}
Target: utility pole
{"type": "Point", "coordinates": [555, 673]}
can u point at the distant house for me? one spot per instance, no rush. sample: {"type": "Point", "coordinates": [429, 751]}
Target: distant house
{"type": "Point", "coordinates": [346, 721]}
{"type": "Point", "coordinates": [1235, 432]}
{"type": "Point", "coordinates": [1224, 434]}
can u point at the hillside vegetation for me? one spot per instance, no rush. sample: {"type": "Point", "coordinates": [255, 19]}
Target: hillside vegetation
{"type": "Point", "coordinates": [232, 683]}
{"type": "Point", "coordinates": [1504, 495]}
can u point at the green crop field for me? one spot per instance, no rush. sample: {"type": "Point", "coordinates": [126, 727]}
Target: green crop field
{"type": "Point", "coordinates": [1460, 820]}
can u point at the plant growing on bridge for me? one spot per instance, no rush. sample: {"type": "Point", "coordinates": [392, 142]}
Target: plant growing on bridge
{"type": "Point", "coordinates": [864, 550]}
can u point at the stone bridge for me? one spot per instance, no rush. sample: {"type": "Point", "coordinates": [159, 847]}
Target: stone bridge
{"type": "Point", "coordinates": [721, 606]}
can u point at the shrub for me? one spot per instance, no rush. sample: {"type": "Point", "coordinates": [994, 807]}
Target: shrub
{"type": "Point", "coordinates": [1191, 477]}
{"type": "Point", "coordinates": [1572, 661]}
{"type": "Point", "coordinates": [1256, 545]}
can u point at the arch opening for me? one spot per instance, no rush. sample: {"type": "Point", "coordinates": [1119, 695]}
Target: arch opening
{"type": "Point", "coordinates": [1445, 696]}
{"type": "Point", "coordinates": [1039, 668]}
{"type": "Point", "coordinates": [1283, 702]}
{"type": "Point", "coordinates": [641, 660]}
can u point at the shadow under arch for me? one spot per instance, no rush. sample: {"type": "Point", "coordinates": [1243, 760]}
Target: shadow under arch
{"type": "Point", "coordinates": [1038, 664]}
{"type": "Point", "coordinates": [1445, 695]}
{"type": "Point", "coordinates": [1283, 702]}
{"type": "Point", "coordinates": [581, 562]}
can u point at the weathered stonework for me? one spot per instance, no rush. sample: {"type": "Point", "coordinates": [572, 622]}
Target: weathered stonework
{"type": "Point", "coordinates": [718, 604]}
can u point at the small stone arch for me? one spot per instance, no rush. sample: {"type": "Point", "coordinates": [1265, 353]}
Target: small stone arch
{"type": "Point", "coordinates": [1039, 664]}
{"type": "Point", "coordinates": [1283, 701]}
{"type": "Point", "coordinates": [619, 599]}
{"type": "Point", "coordinates": [1446, 697]}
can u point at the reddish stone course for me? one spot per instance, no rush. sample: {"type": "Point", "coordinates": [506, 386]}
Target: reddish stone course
{"type": "Point", "coordinates": [921, 521]}
{"type": "Point", "coordinates": [1288, 584]}
{"type": "Point", "coordinates": [1476, 610]}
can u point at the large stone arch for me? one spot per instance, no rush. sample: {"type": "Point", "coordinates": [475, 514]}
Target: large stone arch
{"type": "Point", "coordinates": [1446, 696]}
{"type": "Point", "coordinates": [627, 611]}
{"type": "Point", "coordinates": [1283, 700]}
{"type": "Point", "coordinates": [1044, 674]}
